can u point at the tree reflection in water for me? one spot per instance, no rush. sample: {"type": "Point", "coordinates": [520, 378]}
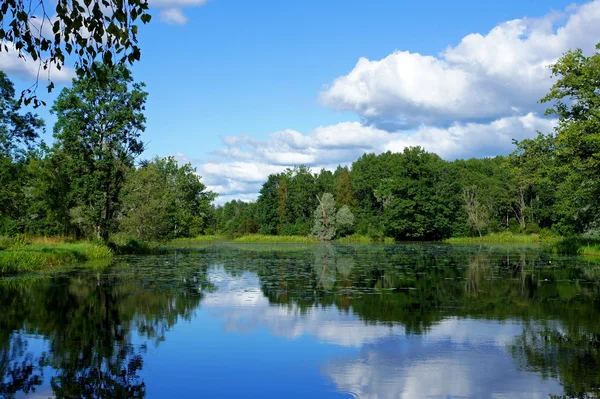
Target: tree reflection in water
{"type": "Point", "coordinates": [89, 323]}
{"type": "Point", "coordinates": [557, 298]}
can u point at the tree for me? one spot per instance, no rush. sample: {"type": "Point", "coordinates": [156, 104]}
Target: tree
{"type": "Point", "coordinates": [267, 205]}
{"type": "Point", "coordinates": [476, 213]}
{"type": "Point", "coordinates": [324, 218]}
{"type": "Point", "coordinates": [18, 133]}
{"type": "Point", "coordinates": [344, 221]}
{"type": "Point", "coordinates": [89, 31]}
{"type": "Point", "coordinates": [324, 181]}
{"type": "Point", "coordinates": [344, 193]}
{"type": "Point", "coordinates": [576, 102]}
{"type": "Point", "coordinates": [162, 200]}
{"type": "Point", "coordinates": [422, 199]}
{"type": "Point", "coordinates": [97, 129]}
{"type": "Point", "coordinates": [146, 200]}
{"type": "Point", "coordinates": [536, 178]}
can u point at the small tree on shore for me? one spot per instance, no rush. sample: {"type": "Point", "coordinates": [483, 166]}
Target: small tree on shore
{"type": "Point", "coordinates": [476, 214]}
{"type": "Point", "coordinates": [324, 226]}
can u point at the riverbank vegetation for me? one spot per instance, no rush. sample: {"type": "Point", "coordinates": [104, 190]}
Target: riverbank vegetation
{"type": "Point", "coordinates": [23, 255]}
{"type": "Point", "coordinates": [91, 184]}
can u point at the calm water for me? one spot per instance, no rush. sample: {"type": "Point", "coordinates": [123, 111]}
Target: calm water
{"type": "Point", "coordinates": [327, 321]}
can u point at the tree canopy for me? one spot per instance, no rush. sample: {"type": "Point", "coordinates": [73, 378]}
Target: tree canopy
{"type": "Point", "coordinates": [84, 31]}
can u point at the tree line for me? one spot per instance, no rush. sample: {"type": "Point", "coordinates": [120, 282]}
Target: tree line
{"type": "Point", "coordinates": [90, 183]}
{"type": "Point", "coordinates": [550, 183]}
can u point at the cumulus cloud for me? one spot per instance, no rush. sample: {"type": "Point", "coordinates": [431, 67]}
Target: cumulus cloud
{"type": "Point", "coordinates": [171, 11]}
{"type": "Point", "coordinates": [240, 302]}
{"type": "Point", "coordinates": [173, 16]}
{"type": "Point", "coordinates": [245, 163]}
{"type": "Point", "coordinates": [26, 68]}
{"type": "Point", "coordinates": [471, 100]}
{"type": "Point", "coordinates": [439, 366]}
{"type": "Point", "coordinates": [484, 77]}
{"type": "Point", "coordinates": [464, 140]}
{"type": "Point", "coordinates": [385, 361]}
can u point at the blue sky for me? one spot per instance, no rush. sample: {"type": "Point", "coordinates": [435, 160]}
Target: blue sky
{"type": "Point", "coordinates": [245, 88]}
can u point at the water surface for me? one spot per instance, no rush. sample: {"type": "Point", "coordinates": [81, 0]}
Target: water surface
{"type": "Point", "coordinates": [297, 321]}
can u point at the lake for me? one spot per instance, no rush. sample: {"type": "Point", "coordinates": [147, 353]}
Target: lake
{"type": "Point", "coordinates": [298, 321]}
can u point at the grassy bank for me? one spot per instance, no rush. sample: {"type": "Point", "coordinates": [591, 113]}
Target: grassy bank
{"type": "Point", "coordinates": [267, 239]}
{"type": "Point", "coordinates": [364, 239]}
{"type": "Point", "coordinates": [499, 238]}
{"type": "Point", "coordinates": [205, 238]}
{"type": "Point", "coordinates": [20, 255]}
{"type": "Point", "coordinates": [275, 239]}
{"type": "Point", "coordinates": [575, 245]}
{"type": "Point", "coordinates": [560, 245]}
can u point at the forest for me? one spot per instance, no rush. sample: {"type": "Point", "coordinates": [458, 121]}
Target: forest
{"type": "Point", "coordinates": [548, 184]}
{"type": "Point", "coordinates": [91, 183]}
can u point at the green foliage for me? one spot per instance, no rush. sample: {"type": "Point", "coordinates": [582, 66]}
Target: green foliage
{"type": "Point", "coordinates": [201, 238]}
{"type": "Point", "coordinates": [260, 238]}
{"type": "Point", "coordinates": [505, 237]}
{"type": "Point", "coordinates": [477, 215]}
{"type": "Point", "coordinates": [324, 225]}
{"type": "Point", "coordinates": [548, 184]}
{"type": "Point", "coordinates": [162, 201]}
{"type": "Point", "coordinates": [574, 245]}
{"type": "Point", "coordinates": [121, 244]}
{"type": "Point", "coordinates": [344, 221]}
{"type": "Point", "coordinates": [573, 159]}
{"type": "Point", "coordinates": [23, 257]}
{"type": "Point", "coordinates": [102, 31]}
{"type": "Point", "coordinates": [18, 134]}
{"type": "Point", "coordinates": [421, 199]}
{"type": "Point", "coordinates": [97, 136]}
{"type": "Point", "coordinates": [237, 218]}
{"type": "Point", "coordinates": [359, 238]}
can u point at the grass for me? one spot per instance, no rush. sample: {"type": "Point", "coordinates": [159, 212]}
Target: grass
{"type": "Point", "coordinates": [267, 239]}
{"type": "Point", "coordinates": [275, 239]}
{"type": "Point", "coordinates": [504, 237]}
{"type": "Point", "coordinates": [35, 254]}
{"type": "Point", "coordinates": [360, 238]}
{"type": "Point", "coordinates": [131, 246]}
{"type": "Point", "coordinates": [559, 245]}
{"type": "Point", "coordinates": [203, 238]}
{"type": "Point", "coordinates": [575, 245]}
{"type": "Point", "coordinates": [591, 250]}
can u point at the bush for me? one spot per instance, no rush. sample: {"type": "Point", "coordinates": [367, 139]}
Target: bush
{"type": "Point", "coordinates": [532, 228]}
{"type": "Point", "coordinates": [124, 245]}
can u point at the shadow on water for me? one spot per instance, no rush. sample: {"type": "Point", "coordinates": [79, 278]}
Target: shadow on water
{"type": "Point", "coordinates": [91, 329]}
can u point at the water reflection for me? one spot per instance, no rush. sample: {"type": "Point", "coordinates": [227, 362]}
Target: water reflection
{"type": "Point", "coordinates": [415, 320]}
{"type": "Point", "coordinates": [86, 324]}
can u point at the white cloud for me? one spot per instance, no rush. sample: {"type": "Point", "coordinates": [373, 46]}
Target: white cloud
{"type": "Point", "coordinates": [471, 100]}
{"type": "Point", "coordinates": [457, 357]}
{"type": "Point", "coordinates": [473, 139]}
{"type": "Point", "coordinates": [246, 163]}
{"type": "Point", "coordinates": [484, 77]}
{"type": "Point", "coordinates": [244, 171]}
{"type": "Point", "coordinates": [240, 302]}
{"type": "Point", "coordinates": [173, 16]}
{"type": "Point", "coordinates": [27, 68]}
{"type": "Point", "coordinates": [171, 10]}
